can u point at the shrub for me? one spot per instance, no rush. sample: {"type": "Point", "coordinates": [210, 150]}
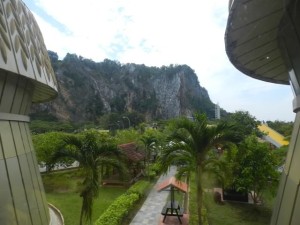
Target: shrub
{"type": "Point", "coordinates": [118, 210]}
{"type": "Point", "coordinates": [140, 188]}
{"type": "Point", "coordinates": [121, 207]}
{"type": "Point", "coordinates": [156, 167]}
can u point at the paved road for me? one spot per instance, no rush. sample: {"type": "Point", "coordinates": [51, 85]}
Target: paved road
{"type": "Point", "coordinates": [149, 214]}
{"type": "Point", "coordinates": [55, 218]}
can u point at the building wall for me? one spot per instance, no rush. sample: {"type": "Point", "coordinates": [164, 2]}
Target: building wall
{"type": "Point", "coordinates": [286, 210]}
{"type": "Point", "coordinates": [22, 194]}
{"type": "Point", "coordinates": [26, 76]}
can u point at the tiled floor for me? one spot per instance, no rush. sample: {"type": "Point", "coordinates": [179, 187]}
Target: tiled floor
{"type": "Point", "coordinates": [149, 214]}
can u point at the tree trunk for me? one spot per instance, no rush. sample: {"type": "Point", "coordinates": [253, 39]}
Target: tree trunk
{"type": "Point", "coordinates": [199, 193]}
{"type": "Point", "coordinates": [186, 195]}
{"type": "Point", "coordinates": [81, 214]}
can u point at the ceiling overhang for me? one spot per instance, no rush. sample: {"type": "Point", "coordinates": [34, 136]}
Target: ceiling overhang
{"type": "Point", "coordinates": [251, 39]}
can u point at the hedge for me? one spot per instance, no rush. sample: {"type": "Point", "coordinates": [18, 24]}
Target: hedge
{"type": "Point", "coordinates": [118, 210]}
{"type": "Point", "coordinates": [123, 204]}
{"type": "Point", "coordinates": [139, 188]}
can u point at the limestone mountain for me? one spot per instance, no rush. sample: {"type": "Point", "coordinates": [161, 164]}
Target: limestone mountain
{"type": "Point", "coordinates": [89, 90]}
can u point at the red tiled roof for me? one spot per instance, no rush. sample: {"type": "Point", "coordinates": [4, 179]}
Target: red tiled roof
{"type": "Point", "coordinates": [172, 182]}
{"type": "Point", "coordinates": [131, 151]}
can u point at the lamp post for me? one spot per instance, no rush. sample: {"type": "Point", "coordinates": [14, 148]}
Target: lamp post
{"type": "Point", "coordinates": [125, 117]}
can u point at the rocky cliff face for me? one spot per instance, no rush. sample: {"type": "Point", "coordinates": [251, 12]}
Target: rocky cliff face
{"type": "Point", "coordinates": [88, 90]}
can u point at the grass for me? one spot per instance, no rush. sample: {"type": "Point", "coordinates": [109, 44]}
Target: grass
{"type": "Point", "coordinates": [61, 191]}
{"type": "Point", "coordinates": [230, 213]}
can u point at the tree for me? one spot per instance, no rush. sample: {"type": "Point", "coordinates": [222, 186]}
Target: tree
{"type": "Point", "coordinates": [46, 145]}
{"type": "Point", "coordinates": [127, 136]}
{"type": "Point", "coordinates": [43, 126]}
{"type": "Point", "coordinates": [91, 150]}
{"type": "Point", "coordinates": [188, 147]}
{"type": "Point", "coordinates": [245, 125]}
{"type": "Point", "coordinates": [284, 128]}
{"type": "Point", "coordinates": [256, 168]}
{"type": "Point", "coordinates": [149, 141]}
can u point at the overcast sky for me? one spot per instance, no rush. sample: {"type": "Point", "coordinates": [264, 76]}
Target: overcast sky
{"type": "Point", "coordinates": [161, 32]}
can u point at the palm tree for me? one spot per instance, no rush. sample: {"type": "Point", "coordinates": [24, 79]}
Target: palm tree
{"type": "Point", "coordinates": [188, 147]}
{"type": "Point", "coordinates": [91, 154]}
{"type": "Point", "coordinates": [149, 144]}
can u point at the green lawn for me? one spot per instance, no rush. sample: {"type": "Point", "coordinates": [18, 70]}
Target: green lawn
{"type": "Point", "coordinates": [61, 191]}
{"type": "Point", "coordinates": [230, 213]}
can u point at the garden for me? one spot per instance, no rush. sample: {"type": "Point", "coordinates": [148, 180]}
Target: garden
{"type": "Point", "coordinates": [209, 154]}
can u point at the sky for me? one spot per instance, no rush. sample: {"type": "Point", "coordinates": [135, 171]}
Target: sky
{"type": "Point", "coordinates": [161, 32]}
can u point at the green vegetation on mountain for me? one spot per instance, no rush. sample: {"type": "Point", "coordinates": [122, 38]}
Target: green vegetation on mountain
{"type": "Point", "coordinates": [89, 90]}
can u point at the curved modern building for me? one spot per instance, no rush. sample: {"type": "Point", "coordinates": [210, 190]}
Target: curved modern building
{"type": "Point", "coordinates": [263, 41]}
{"type": "Point", "coordinates": [26, 77]}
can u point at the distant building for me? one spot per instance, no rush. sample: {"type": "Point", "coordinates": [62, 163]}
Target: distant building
{"type": "Point", "coordinates": [217, 112]}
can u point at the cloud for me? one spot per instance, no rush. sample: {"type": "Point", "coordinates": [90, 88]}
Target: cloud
{"type": "Point", "coordinates": [158, 33]}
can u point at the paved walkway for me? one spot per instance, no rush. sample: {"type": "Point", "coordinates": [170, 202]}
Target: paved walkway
{"type": "Point", "coordinates": [149, 214]}
{"type": "Point", "coordinates": [55, 216]}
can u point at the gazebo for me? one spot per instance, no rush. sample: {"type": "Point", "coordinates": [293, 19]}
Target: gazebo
{"type": "Point", "coordinates": [172, 208]}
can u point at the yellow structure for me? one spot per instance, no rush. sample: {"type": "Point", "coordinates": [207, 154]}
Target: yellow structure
{"type": "Point", "coordinates": [262, 40]}
{"type": "Point", "coordinates": [26, 77]}
{"type": "Point", "coordinates": [278, 138]}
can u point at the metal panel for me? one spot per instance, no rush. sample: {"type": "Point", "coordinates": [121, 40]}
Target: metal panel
{"type": "Point", "coordinates": [251, 25]}
{"type": "Point", "coordinates": [17, 138]}
{"type": "Point", "coordinates": [7, 61]}
{"type": "Point", "coordinates": [26, 101]}
{"type": "Point", "coordinates": [296, 214]}
{"type": "Point", "coordinates": [7, 140]}
{"type": "Point", "coordinates": [17, 190]}
{"type": "Point", "coordinates": [23, 50]}
{"type": "Point", "coordinates": [36, 179]}
{"type": "Point", "coordinates": [7, 211]}
{"type": "Point", "coordinates": [2, 81]}
{"type": "Point", "coordinates": [1, 150]}
{"type": "Point", "coordinates": [279, 197]}
{"type": "Point", "coordinates": [18, 98]}
{"type": "Point", "coordinates": [286, 207]}
{"type": "Point", "coordinates": [248, 11]}
{"type": "Point", "coordinates": [8, 94]}
{"type": "Point", "coordinates": [32, 202]}
{"type": "Point", "coordinates": [293, 143]}
{"type": "Point", "coordinates": [36, 186]}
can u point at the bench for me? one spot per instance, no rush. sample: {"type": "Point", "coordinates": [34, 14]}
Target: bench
{"type": "Point", "coordinates": [175, 211]}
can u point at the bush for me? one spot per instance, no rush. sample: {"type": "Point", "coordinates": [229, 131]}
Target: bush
{"type": "Point", "coordinates": [118, 210]}
{"type": "Point", "coordinates": [156, 167]}
{"type": "Point", "coordinates": [121, 207]}
{"type": "Point", "coordinates": [140, 188]}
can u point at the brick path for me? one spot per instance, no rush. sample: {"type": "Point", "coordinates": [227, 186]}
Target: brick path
{"type": "Point", "coordinates": [149, 214]}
